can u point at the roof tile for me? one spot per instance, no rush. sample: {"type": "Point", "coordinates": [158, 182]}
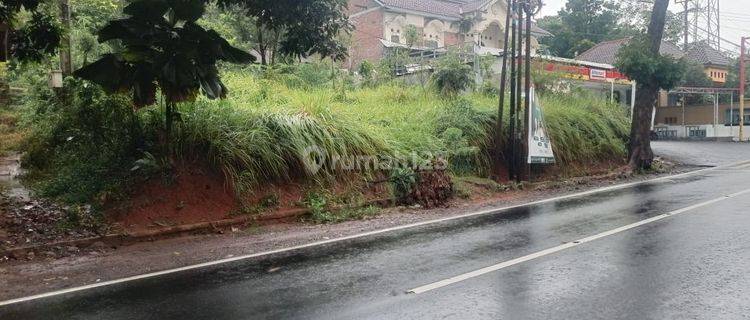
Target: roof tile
{"type": "Point", "coordinates": [606, 52]}
{"type": "Point", "coordinates": [704, 54]}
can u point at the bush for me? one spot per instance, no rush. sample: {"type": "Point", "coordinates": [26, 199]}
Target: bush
{"type": "Point", "coordinates": [452, 75]}
{"type": "Point", "coordinates": [83, 144]}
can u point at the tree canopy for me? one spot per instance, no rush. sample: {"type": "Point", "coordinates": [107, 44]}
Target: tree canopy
{"type": "Point", "coordinates": [580, 25]}
{"type": "Point", "coordinates": [653, 70]}
{"type": "Point", "coordinates": [584, 23]}
{"type": "Point", "coordinates": [302, 27]}
{"type": "Point", "coordinates": [28, 32]}
{"type": "Point", "coordinates": [164, 47]}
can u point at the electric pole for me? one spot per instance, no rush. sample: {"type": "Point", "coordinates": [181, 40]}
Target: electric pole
{"type": "Point", "coordinates": [706, 22]}
{"type": "Point", "coordinates": [499, 137]}
{"type": "Point", "coordinates": [686, 22]}
{"type": "Point", "coordinates": [513, 92]}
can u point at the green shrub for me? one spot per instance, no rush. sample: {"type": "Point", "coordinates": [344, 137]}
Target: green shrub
{"type": "Point", "coordinates": [452, 75]}
{"type": "Point", "coordinates": [83, 144]}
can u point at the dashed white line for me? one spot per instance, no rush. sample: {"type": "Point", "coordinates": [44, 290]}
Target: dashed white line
{"type": "Point", "coordinates": [568, 245]}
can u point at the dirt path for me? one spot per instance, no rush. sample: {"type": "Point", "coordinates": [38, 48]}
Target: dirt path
{"type": "Point", "coordinates": [99, 262]}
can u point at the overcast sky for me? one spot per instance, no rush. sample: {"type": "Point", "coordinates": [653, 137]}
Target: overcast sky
{"type": "Point", "coordinates": [735, 16]}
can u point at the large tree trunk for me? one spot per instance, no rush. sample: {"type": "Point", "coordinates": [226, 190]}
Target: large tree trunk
{"type": "Point", "coordinates": [640, 154]}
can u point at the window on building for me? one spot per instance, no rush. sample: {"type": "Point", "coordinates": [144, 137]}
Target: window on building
{"type": "Point", "coordinates": [395, 38]}
{"type": "Point", "coordinates": [432, 44]}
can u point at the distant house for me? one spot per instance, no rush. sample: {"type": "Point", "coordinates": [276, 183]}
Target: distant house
{"type": "Point", "coordinates": [715, 63]}
{"type": "Point", "coordinates": [380, 26]}
{"type": "Point", "coordinates": [675, 118]}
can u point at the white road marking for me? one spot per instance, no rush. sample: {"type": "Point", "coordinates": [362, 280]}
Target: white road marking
{"type": "Point", "coordinates": [568, 245]}
{"type": "Point", "coordinates": [356, 236]}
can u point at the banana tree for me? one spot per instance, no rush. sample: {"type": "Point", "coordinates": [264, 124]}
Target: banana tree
{"type": "Point", "coordinates": [162, 47]}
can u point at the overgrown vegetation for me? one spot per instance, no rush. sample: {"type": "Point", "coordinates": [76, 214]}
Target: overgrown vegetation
{"type": "Point", "coordinates": [264, 131]}
{"type": "Point", "coordinates": [285, 121]}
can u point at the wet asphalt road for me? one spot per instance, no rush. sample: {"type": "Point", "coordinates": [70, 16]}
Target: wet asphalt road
{"type": "Point", "coordinates": [695, 265]}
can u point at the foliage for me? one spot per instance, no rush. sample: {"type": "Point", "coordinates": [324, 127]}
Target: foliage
{"type": "Point", "coordinates": [318, 205]}
{"type": "Point", "coordinates": [467, 133]}
{"type": "Point", "coordinates": [367, 71]}
{"type": "Point", "coordinates": [636, 61]}
{"type": "Point", "coordinates": [252, 147]}
{"type": "Point", "coordinates": [403, 181]}
{"type": "Point", "coordinates": [324, 20]}
{"type": "Point", "coordinates": [34, 33]}
{"type": "Point", "coordinates": [38, 39]}
{"type": "Point", "coordinates": [87, 17]}
{"type": "Point", "coordinates": [579, 26]}
{"type": "Point", "coordinates": [9, 8]}
{"type": "Point", "coordinates": [635, 15]}
{"type": "Point", "coordinates": [452, 75]}
{"type": "Point", "coordinates": [695, 76]}
{"type": "Point", "coordinates": [82, 148]}
{"type": "Point", "coordinates": [584, 23]}
{"type": "Point", "coordinates": [411, 35]}
{"type": "Point", "coordinates": [163, 47]}
{"type": "Point", "coordinates": [585, 130]}
{"type": "Point", "coordinates": [261, 133]}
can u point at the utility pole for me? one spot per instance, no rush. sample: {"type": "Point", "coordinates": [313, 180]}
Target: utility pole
{"type": "Point", "coordinates": [743, 60]}
{"type": "Point", "coordinates": [706, 22]}
{"type": "Point", "coordinates": [686, 22]}
{"type": "Point", "coordinates": [513, 93]}
{"type": "Point", "coordinates": [519, 118]}
{"type": "Point", "coordinates": [499, 137]}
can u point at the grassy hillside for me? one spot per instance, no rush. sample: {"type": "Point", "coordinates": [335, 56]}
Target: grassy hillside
{"type": "Point", "coordinates": [264, 130]}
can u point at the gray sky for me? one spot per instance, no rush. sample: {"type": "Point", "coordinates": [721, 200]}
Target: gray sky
{"type": "Point", "coordinates": [735, 16]}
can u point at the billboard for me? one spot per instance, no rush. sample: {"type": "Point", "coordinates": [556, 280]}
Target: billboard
{"type": "Point", "coordinates": [540, 146]}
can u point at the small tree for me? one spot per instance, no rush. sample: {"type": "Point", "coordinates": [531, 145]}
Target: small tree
{"type": "Point", "coordinates": [411, 36]}
{"type": "Point", "coordinates": [452, 75]}
{"type": "Point", "coordinates": [163, 47]}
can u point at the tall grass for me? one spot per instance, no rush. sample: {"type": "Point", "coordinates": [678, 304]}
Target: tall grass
{"type": "Point", "coordinates": [251, 146]}
{"type": "Point", "coordinates": [584, 129]}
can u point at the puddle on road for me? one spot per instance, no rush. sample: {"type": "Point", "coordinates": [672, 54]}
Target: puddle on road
{"type": "Point", "coordinates": [10, 172]}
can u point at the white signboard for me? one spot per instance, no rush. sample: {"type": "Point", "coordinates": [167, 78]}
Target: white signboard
{"type": "Point", "coordinates": [598, 74]}
{"type": "Point", "coordinates": [540, 146]}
